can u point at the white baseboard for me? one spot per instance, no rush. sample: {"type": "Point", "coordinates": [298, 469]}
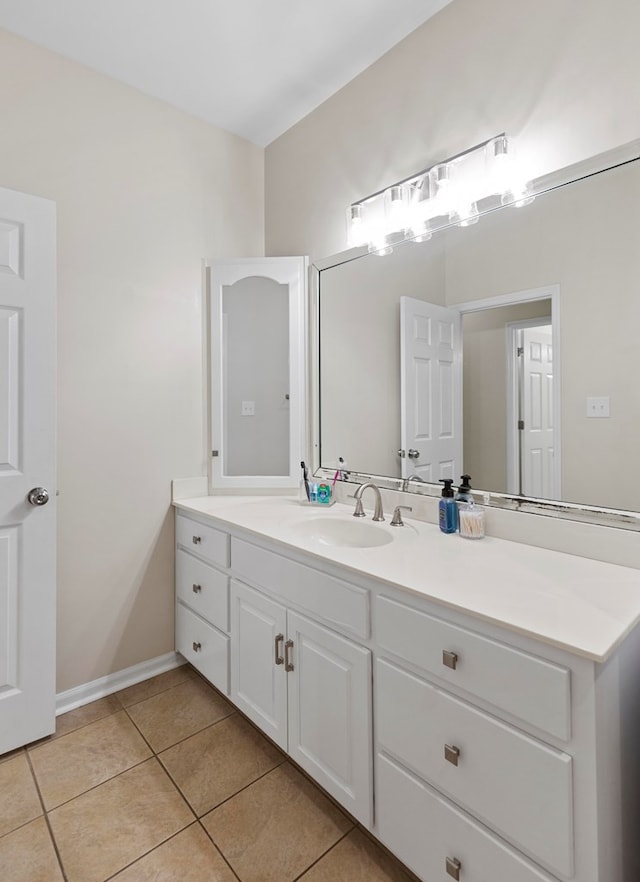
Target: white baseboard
{"type": "Point", "coordinates": [79, 695]}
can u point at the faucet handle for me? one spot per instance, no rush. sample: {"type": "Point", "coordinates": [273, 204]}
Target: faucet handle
{"type": "Point", "coordinates": [396, 520]}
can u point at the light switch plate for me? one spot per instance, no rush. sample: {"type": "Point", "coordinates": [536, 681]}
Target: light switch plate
{"type": "Point", "coordinates": [598, 408]}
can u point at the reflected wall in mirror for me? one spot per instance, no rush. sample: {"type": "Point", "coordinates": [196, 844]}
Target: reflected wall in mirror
{"type": "Point", "coordinates": [577, 241]}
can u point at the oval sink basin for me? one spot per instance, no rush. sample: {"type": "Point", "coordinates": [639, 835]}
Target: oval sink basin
{"type": "Point", "coordinates": [346, 532]}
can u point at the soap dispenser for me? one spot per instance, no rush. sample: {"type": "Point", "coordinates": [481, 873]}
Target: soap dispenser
{"type": "Point", "coordinates": [464, 490]}
{"type": "Point", "coordinates": [447, 508]}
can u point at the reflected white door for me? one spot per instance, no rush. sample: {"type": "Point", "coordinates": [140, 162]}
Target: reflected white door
{"type": "Point", "coordinates": [431, 390]}
{"type": "Point", "coordinates": [27, 461]}
{"type": "Point", "coordinates": [537, 435]}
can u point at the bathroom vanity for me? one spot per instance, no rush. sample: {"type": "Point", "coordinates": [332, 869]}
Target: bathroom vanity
{"type": "Point", "coordinates": [475, 705]}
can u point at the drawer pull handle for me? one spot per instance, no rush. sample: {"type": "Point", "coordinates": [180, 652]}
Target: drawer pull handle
{"type": "Point", "coordinates": [196, 540]}
{"type": "Point", "coordinates": [451, 754]}
{"type": "Point", "coordinates": [288, 664]}
{"type": "Point", "coordinates": [453, 866]}
{"type": "Point", "coordinates": [197, 646]}
{"type": "Point", "coordinates": [449, 659]}
{"type": "Point", "coordinates": [278, 649]}
{"type": "Point", "coordinates": [196, 588]}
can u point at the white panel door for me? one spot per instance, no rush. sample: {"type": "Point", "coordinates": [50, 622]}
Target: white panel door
{"type": "Point", "coordinates": [431, 390]}
{"type": "Point", "coordinates": [537, 437]}
{"type": "Point", "coordinates": [27, 461]}
{"type": "Point", "coordinates": [258, 677]}
{"type": "Point", "coordinates": [330, 712]}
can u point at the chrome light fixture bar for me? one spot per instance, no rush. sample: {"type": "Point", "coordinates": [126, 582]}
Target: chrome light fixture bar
{"type": "Point", "coordinates": [446, 193]}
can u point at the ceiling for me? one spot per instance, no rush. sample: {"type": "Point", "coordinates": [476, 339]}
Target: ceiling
{"type": "Point", "coordinates": [252, 67]}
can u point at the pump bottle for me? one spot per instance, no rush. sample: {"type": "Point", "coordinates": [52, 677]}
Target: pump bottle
{"type": "Point", "coordinates": [447, 509]}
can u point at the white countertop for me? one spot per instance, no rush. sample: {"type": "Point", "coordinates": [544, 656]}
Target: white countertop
{"type": "Point", "coordinates": [581, 605]}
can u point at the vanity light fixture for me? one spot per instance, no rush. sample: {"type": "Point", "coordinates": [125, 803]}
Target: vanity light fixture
{"type": "Point", "coordinates": [447, 192]}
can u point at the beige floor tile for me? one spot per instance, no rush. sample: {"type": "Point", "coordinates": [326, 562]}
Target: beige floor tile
{"type": "Point", "coordinates": [69, 766]}
{"type": "Point", "coordinates": [179, 712]}
{"type": "Point", "coordinates": [28, 855]}
{"type": "Point", "coordinates": [356, 859]}
{"type": "Point", "coordinates": [155, 685]}
{"type": "Point", "coordinates": [10, 754]}
{"type": "Point", "coordinates": [277, 827]}
{"type": "Point", "coordinates": [106, 829]}
{"type": "Point", "coordinates": [86, 714]}
{"type": "Point", "coordinates": [216, 763]}
{"type": "Point", "coordinates": [19, 800]}
{"type": "Point", "coordinates": [188, 857]}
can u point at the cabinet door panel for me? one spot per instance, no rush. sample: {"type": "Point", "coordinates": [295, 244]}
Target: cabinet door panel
{"type": "Point", "coordinates": [258, 685]}
{"type": "Point", "coordinates": [330, 713]}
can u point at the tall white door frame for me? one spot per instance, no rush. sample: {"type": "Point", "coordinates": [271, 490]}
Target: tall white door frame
{"type": "Point", "coordinates": [530, 295]}
{"type": "Point", "coordinates": [518, 401]}
{"type": "Point", "coordinates": [27, 469]}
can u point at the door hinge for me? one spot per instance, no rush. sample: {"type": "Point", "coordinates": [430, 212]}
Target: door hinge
{"type": "Point", "coordinates": [214, 453]}
{"type": "Point", "coordinates": [521, 424]}
{"type": "Point", "coordinates": [520, 350]}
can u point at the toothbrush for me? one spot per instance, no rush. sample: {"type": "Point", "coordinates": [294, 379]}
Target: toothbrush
{"type": "Point", "coordinates": [305, 478]}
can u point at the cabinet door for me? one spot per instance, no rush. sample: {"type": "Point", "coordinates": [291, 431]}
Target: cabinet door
{"type": "Point", "coordinates": [330, 713]}
{"type": "Point", "coordinates": [258, 679]}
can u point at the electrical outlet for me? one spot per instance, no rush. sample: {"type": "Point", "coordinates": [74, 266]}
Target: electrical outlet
{"type": "Point", "coordinates": [248, 408]}
{"type": "Point", "coordinates": [598, 408]}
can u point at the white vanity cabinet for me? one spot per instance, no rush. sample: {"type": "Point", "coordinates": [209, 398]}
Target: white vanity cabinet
{"type": "Point", "coordinates": [489, 755]}
{"type": "Point", "coordinates": [202, 599]}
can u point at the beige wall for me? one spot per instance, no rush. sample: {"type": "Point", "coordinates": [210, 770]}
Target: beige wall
{"type": "Point", "coordinates": [558, 75]}
{"type": "Point", "coordinates": [143, 193]}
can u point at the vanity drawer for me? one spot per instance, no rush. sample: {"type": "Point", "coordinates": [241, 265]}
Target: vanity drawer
{"type": "Point", "coordinates": [515, 784]}
{"type": "Point", "coordinates": [203, 588]}
{"type": "Point", "coordinates": [204, 646]}
{"type": "Point", "coordinates": [204, 540]}
{"type": "Point", "coordinates": [338, 603]}
{"type": "Point", "coordinates": [410, 814]}
{"type": "Point", "coordinates": [532, 689]}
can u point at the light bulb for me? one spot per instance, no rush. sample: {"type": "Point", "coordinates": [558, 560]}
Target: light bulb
{"type": "Point", "coordinates": [420, 232]}
{"type": "Point", "coordinates": [518, 196]}
{"type": "Point", "coordinates": [441, 182]}
{"type": "Point", "coordinates": [396, 209]}
{"type": "Point", "coordinates": [356, 228]}
{"type": "Point", "coordinates": [466, 215]}
{"type": "Point", "coordinates": [421, 208]}
{"type": "Point", "coordinates": [379, 244]}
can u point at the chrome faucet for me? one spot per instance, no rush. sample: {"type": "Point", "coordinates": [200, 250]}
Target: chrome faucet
{"type": "Point", "coordinates": [407, 481]}
{"type": "Point", "coordinates": [378, 514]}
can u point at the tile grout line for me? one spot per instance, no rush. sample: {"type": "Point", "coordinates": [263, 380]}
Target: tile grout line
{"type": "Point", "coordinates": [218, 849]}
{"type": "Point", "coordinates": [324, 854]}
{"type": "Point", "coordinates": [150, 851]}
{"type": "Point", "coordinates": [180, 740]}
{"type": "Point", "coordinates": [47, 821]}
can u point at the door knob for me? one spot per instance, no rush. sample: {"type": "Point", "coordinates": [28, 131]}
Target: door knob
{"type": "Point", "coordinates": [38, 496]}
{"type": "Point", "coordinates": [413, 454]}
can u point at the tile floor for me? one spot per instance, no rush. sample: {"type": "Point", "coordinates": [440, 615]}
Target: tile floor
{"type": "Point", "coordinates": [166, 782]}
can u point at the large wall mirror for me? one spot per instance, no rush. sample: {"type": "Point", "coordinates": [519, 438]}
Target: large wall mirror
{"type": "Point", "coordinates": [508, 350]}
